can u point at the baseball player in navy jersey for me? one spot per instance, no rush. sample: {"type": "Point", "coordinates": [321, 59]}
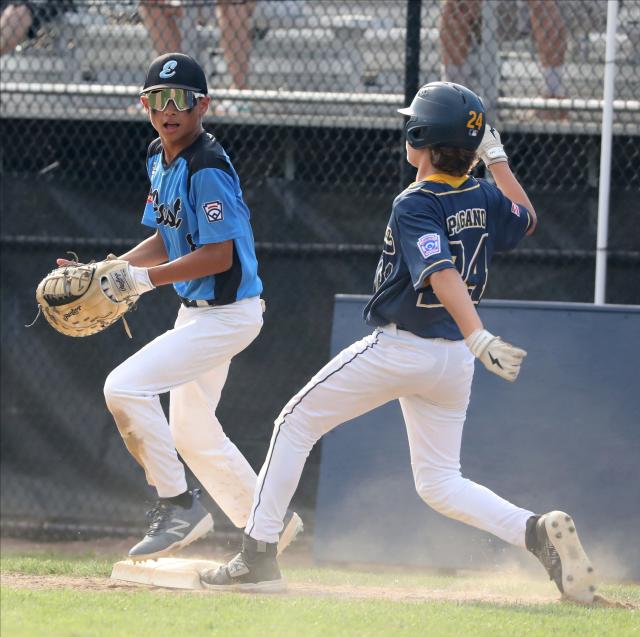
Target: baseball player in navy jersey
{"type": "Point", "coordinates": [437, 251]}
{"type": "Point", "coordinates": [203, 244]}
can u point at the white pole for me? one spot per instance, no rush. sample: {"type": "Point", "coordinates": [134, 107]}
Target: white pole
{"type": "Point", "coordinates": [488, 60]}
{"type": "Point", "coordinates": [605, 154]}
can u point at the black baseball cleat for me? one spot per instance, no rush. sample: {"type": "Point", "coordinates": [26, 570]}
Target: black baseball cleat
{"type": "Point", "coordinates": [553, 539]}
{"type": "Point", "coordinates": [254, 570]}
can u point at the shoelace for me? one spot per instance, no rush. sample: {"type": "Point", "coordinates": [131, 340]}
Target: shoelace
{"type": "Point", "coordinates": [550, 554]}
{"type": "Point", "coordinates": [551, 561]}
{"type": "Point", "coordinates": [159, 515]}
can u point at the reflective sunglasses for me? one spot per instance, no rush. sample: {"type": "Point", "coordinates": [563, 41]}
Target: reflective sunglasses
{"type": "Point", "coordinates": [182, 98]}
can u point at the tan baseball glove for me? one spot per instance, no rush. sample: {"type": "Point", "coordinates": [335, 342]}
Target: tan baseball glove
{"type": "Point", "coordinates": [83, 299]}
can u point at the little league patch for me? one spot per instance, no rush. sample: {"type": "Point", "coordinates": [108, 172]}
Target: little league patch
{"type": "Point", "coordinates": [213, 211]}
{"type": "Point", "coordinates": [429, 244]}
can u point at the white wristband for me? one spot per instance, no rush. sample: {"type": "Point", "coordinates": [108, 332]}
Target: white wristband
{"type": "Point", "coordinates": [141, 278]}
{"type": "Point", "coordinates": [496, 155]}
{"type": "Point", "coordinates": [478, 341]}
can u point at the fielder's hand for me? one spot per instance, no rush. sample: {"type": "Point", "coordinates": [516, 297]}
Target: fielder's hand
{"type": "Point", "coordinates": [491, 150]}
{"type": "Point", "coordinates": [136, 279]}
{"type": "Point", "coordinates": [496, 355]}
{"type": "Point", "coordinates": [128, 281]}
{"type": "Point", "coordinates": [82, 299]}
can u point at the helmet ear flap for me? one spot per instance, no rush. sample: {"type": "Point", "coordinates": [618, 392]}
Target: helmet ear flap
{"type": "Point", "coordinates": [415, 135]}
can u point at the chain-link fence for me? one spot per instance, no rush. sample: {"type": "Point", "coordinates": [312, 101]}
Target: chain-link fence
{"type": "Point", "coordinates": [304, 97]}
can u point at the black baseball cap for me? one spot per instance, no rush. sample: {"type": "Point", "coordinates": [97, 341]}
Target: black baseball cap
{"type": "Point", "coordinates": [175, 70]}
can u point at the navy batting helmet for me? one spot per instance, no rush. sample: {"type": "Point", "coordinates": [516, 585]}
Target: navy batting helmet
{"type": "Point", "coordinates": [445, 114]}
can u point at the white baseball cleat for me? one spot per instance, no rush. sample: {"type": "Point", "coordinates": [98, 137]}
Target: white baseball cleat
{"type": "Point", "coordinates": [553, 539]}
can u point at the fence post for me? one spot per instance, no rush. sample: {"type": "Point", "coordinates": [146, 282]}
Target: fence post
{"type": "Point", "coordinates": [605, 154]}
{"type": "Point", "coordinates": [411, 70]}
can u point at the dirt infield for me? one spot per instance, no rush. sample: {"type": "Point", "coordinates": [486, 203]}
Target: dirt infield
{"type": "Point", "coordinates": [42, 582]}
{"type": "Point", "coordinates": [298, 589]}
{"type": "Point", "coordinates": [298, 558]}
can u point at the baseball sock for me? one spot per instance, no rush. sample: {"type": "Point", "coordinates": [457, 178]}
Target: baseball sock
{"type": "Point", "coordinates": [184, 500]}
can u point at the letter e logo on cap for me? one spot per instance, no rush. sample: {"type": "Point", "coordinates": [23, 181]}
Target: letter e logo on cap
{"type": "Point", "coordinates": [168, 70]}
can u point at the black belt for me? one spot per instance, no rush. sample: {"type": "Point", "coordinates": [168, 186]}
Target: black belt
{"type": "Point", "coordinates": [202, 302]}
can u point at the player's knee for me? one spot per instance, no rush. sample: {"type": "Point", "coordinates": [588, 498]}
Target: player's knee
{"type": "Point", "coordinates": [109, 388]}
{"type": "Point", "coordinates": [114, 388]}
{"type": "Point", "coordinates": [301, 425]}
{"type": "Point", "coordinates": [431, 494]}
{"type": "Point", "coordinates": [438, 493]}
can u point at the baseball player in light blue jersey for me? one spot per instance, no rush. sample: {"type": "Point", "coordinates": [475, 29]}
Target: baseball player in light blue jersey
{"type": "Point", "coordinates": [436, 256]}
{"type": "Point", "coordinates": [203, 244]}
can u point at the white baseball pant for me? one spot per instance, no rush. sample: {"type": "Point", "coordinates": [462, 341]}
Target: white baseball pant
{"type": "Point", "coordinates": [432, 379]}
{"type": "Point", "coordinates": [190, 361]}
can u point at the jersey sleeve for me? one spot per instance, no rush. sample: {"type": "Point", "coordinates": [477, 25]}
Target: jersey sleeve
{"type": "Point", "coordinates": [149, 215]}
{"type": "Point", "coordinates": [217, 205]}
{"type": "Point", "coordinates": [512, 222]}
{"type": "Point", "coordinates": [423, 239]}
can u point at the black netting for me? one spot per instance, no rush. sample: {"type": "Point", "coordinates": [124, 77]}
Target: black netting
{"type": "Point", "coordinates": [304, 94]}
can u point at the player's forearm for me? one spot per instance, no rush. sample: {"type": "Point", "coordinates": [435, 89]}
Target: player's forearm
{"type": "Point", "coordinates": [511, 188]}
{"type": "Point", "coordinates": [452, 292]}
{"type": "Point", "coordinates": [212, 258]}
{"type": "Point", "coordinates": [147, 253]}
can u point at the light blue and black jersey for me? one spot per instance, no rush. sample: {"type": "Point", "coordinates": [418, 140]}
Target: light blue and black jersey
{"type": "Point", "coordinates": [439, 223]}
{"type": "Point", "coordinates": [197, 200]}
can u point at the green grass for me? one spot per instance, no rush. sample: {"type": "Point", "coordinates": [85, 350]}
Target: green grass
{"type": "Point", "coordinates": [52, 564]}
{"type": "Point", "coordinates": [84, 614]}
{"type": "Point", "coordinates": [69, 612]}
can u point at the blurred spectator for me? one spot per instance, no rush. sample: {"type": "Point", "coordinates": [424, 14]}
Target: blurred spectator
{"type": "Point", "coordinates": [461, 23]}
{"type": "Point", "coordinates": [234, 23]}
{"type": "Point", "coordinates": [160, 19]}
{"type": "Point", "coordinates": [21, 21]}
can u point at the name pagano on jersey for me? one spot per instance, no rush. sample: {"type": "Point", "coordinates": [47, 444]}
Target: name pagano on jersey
{"type": "Point", "coordinates": [469, 218]}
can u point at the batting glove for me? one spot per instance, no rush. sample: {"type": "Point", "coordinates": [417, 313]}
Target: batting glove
{"type": "Point", "coordinates": [496, 355]}
{"type": "Point", "coordinates": [491, 150]}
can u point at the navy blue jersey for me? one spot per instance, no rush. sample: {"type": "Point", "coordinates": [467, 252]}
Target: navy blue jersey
{"type": "Point", "coordinates": [197, 200]}
{"type": "Point", "coordinates": [442, 222]}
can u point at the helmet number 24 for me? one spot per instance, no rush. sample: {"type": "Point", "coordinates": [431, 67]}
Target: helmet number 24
{"type": "Point", "coordinates": [475, 120]}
